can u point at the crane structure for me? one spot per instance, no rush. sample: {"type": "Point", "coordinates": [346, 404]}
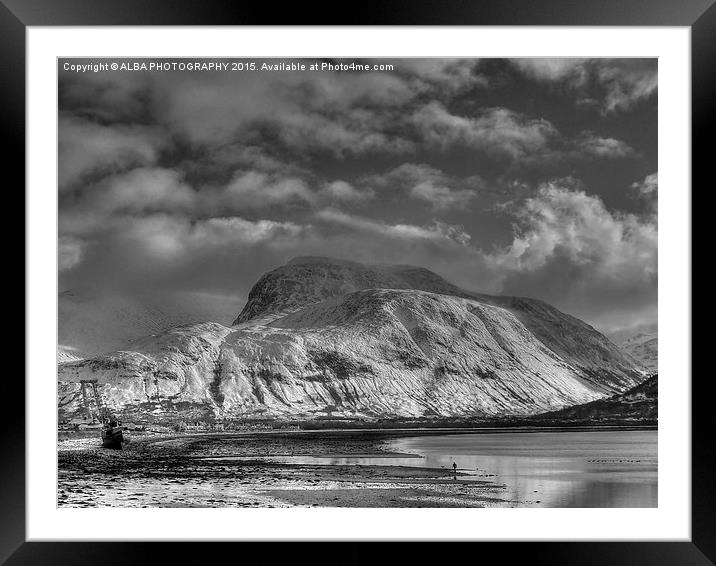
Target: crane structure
{"type": "Point", "coordinates": [92, 401]}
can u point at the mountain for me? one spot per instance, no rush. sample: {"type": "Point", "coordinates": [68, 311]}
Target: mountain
{"type": "Point", "coordinates": [306, 280]}
{"type": "Point", "coordinates": [328, 338]}
{"type": "Point", "coordinates": [93, 322]}
{"type": "Point", "coordinates": [644, 347]}
{"type": "Point", "coordinates": [638, 405]}
{"type": "Point", "coordinates": [309, 280]}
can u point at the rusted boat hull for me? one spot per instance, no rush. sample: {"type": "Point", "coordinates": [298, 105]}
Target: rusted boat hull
{"type": "Point", "coordinates": [113, 438]}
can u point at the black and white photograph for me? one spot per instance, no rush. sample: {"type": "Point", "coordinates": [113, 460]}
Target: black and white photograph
{"type": "Point", "coordinates": [369, 283]}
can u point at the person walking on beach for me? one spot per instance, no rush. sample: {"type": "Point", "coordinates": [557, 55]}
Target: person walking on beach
{"type": "Point", "coordinates": [454, 470]}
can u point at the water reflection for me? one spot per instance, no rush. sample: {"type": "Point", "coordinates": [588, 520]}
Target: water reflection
{"type": "Point", "coordinates": [554, 469]}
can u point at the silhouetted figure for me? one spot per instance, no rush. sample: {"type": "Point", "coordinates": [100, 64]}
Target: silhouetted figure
{"type": "Point", "coordinates": [454, 471]}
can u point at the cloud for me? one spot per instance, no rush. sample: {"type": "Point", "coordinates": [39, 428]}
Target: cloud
{"type": "Point", "coordinates": [437, 231]}
{"type": "Point", "coordinates": [647, 191]}
{"type": "Point", "coordinates": [340, 112]}
{"type": "Point", "coordinates": [552, 69]}
{"type": "Point", "coordinates": [221, 163]}
{"type": "Point", "coordinates": [627, 83]}
{"type": "Point", "coordinates": [337, 112]}
{"type": "Point", "coordinates": [342, 191]}
{"type": "Point", "coordinates": [426, 183]}
{"type": "Point", "coordinates": [210, 110]}
{"type": "Point", "coordinates": [227, 254]}
{"type": "Point", "coordinates": [340, 91]}
{"type": "Point", "coordinates": [613, 85]}
{"type": "Point", "coordinates": [648, 187]}
{"type": "Point", "coordinates": [251, 190]}
{"type": "Point", "coordinates": [352, 132]}
{"type": "Point", "coordinates": [442, 77]}
{"type": "Point", "coordinates": [108, 97]}
{"type": "Point", "coordinates": [239, 231]}
{"type": "Point", "coordinates": [145, 189]}
{"type": "Point", "coordinates": [494, 130]}
{"type": "Point", "coordinates": [137, 192]}
{"type": "Point", "coordinates": [164, 251]}
{"type": "Point", "coordinates": [308, 111]}
{"type": "Point", "coordinates": [440, 196]}
{"type": "Point", "coordinates": [269, 120]}
{"type": "Point", "coordinates": [453, 232]}
{"type": "Point", "coordinates": [578, 226]}
{"type": "Point", "coordinates": [165, 238]}
{"type": "Point", "coordinates": [589, 145]}
{"type": "Point", "coordinates": [512, 137]}
{"type": "Point", "coordinates": [69, 253]}
{"type": "Point", "coordinates": [571, 250]}
{"type": "Point", "coordinates": [87, 148]}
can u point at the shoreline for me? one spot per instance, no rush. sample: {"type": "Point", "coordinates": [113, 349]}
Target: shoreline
{"type": "Point", "coordinates": [84, 438]}
{"type": "Point", "coordinates": [83, 441]}
{"type": "Point", "coordinates": [190, 471]}
{"type": "Point", "coordinates": [320, 468]}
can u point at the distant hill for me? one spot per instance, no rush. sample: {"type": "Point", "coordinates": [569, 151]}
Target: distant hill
{"type": "Point", "coordinates": [638, 405]}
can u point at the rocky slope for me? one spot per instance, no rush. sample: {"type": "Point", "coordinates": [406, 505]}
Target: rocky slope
{"type": "Point", "coordinates": [321, 338]}
{"type": "Point", "coordinates": [643, 347]}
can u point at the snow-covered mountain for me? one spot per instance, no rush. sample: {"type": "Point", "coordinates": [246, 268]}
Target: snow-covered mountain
{"type": "Point", "coordinates": [321, 337]}
{"type": "Point", "coordinates": [306, 280]}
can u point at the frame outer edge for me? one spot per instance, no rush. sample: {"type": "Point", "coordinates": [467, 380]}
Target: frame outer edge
{"type": "Point", "coordinates": [703, 124]}
{"type": "Point", "coordinates": [12, 125]}
{"type": "Point", "coordinates": [12, 102]}
{"type": "Point", "coordinates": [370, 12]}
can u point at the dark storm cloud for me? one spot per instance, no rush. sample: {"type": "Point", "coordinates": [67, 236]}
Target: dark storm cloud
{"type": "Point", "coordinates": [201, 182]}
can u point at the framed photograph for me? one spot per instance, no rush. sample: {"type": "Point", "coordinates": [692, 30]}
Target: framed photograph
{"type": "Point", "coordinates": [408, 279]}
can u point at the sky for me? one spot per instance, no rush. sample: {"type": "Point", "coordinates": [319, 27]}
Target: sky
{"type": "Point", "coordinates": [529, 177]}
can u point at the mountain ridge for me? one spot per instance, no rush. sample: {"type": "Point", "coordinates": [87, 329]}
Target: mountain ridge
{"type": "Point", "coordinates": [282, 288]}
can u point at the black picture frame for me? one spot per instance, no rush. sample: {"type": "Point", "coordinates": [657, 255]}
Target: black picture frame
{"type": "Point", "coordinates": [17, 15]}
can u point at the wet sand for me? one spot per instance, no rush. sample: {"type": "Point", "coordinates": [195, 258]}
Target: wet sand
{"type": "Point", "coordinates": [236, 470]}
